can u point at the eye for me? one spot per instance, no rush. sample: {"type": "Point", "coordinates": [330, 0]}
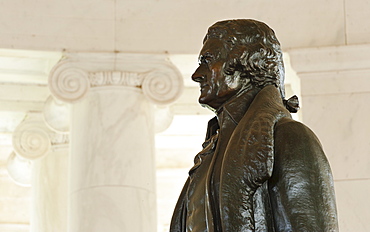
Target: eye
{"type": "Point", "coordinates": [205, 59]}
{"type": "Point", "coordinates": [208, 60]}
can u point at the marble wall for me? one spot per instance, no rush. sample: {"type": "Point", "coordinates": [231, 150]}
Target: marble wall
{"type": "Point", "coordinates": [335, 90]}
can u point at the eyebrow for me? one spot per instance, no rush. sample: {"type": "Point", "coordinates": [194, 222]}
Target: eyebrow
{"type": "Point", "coordinates": [205, 56]}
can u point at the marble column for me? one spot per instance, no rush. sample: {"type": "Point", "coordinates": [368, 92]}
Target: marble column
{"type": "Point", "coordinates": [48, 153]}
{"type": "Point", "coordinates": [112, 166]}
{"type": "Point", "coordinates": [335, 90]}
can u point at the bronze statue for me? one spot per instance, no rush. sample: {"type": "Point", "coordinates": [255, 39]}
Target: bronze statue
{"type": "Point", "coordinates": [259, 170]}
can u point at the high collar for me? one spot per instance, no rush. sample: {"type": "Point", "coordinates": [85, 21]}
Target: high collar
{"type": "Point", "coordinates": [234, 109]}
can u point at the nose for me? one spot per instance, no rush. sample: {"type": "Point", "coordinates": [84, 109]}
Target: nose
{"type": "Point", "coordinates": [199, 74]}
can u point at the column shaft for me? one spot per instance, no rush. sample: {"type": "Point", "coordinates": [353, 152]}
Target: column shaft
{"type": "Point", "coordinates": [112, 162]}
{"type": "Point", "coordinates": [49, 192]}
{"type": "Point", "coordinates": [112, 166]}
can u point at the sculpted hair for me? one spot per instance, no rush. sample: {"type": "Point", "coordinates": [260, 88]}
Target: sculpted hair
{"type": "Point", "coordinates": [254, 51]}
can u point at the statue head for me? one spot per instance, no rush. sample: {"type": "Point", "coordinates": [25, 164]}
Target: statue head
{"type": "Point", "coordinates": [237, 55]}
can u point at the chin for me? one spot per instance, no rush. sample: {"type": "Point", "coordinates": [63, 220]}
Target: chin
{"type": "Point", "coordinates": [206, 104]}
{"type": "Point", "coordinates": [208, 107]}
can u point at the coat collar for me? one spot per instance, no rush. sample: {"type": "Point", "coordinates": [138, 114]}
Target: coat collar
{"type": "Point", "coordinates": [236, 107]}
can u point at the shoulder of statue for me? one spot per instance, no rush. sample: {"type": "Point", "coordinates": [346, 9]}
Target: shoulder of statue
{"type": "Point", "coordinates": [294, 140]}
{"type": "Point", "coordinates": [287, 125]}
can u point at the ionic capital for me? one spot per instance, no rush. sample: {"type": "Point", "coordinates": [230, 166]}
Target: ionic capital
{"type": "Point", "coordinates": [56, 115]}
{"type": "Point", "coordinates": [32, 139]}
{"type": "Point", "coordinates": [73, 77]}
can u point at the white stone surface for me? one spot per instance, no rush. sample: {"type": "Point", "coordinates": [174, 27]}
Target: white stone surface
{"type": "Point", "coordinates": [19, 169]}
{"type": "Point", "coordinates": [170, 26]}
{"type": "Point", "coordinates": [112, 128]}
{"type": "Point", "coordinates": [330, 58]}
{"type": "Point", "coordinates": [14, 92]}
{"type": "Point", "coordinates": [112, 162]}
{"type": "Point", "coordinates": [113, 208]}
{"type": "Point", "coordinates": [21, 106]}
{"type": "Point", "coordinates": [187, 103]}
{"type": "Point", "coordinates": [356, 19]}
{"type": "Point", "coordinates": [169, 184]}
{"type": "Point", "coordinates": [162, 87]}
{"type": "Point", "coordinates": [56, 115]}
{"type": "Point", "coordinates": [23, 79]}
{"type": "Point", "coordinates": [58, 25]}
{"type": "Point", "coordinates": [158, 79]}
{"type": "Point", "coordinates": [67, 82]}
{"type": "Point", "coordinates": [31, 138]}
{"type": "Point", "coordinates": [335, 82]}
{"type": "Point", "coordinates": [26, 67]}
{"type": "Point", "coordinates": [50, 192]}
{"type": "Point", "coordinates": [14, 228]}
{"type": "Point", "coordinates": [177, 146]}
{"type": "Point", "coordinates": [163, 116]}
{"type": "Point", "coordinates": [10, 120]}
{"type": "Point", "coordinates": [341, 123]}
{"type": "Point", "coordinates": [15, 202]}
{"type": "Point", "coordinates": [353, 204]}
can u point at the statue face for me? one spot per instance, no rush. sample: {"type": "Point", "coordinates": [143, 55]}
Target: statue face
{"type": "Point", "coordinates": [215, 87]}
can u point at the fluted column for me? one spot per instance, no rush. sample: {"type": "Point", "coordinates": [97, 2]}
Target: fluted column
{"type": "Point", "coordinates": [47, 150]}
{"type": "Point", "coordinates": [112, 172]}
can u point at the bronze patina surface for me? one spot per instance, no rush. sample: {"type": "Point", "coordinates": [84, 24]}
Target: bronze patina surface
{"type": "Point", "coordinates": [259, 170]}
